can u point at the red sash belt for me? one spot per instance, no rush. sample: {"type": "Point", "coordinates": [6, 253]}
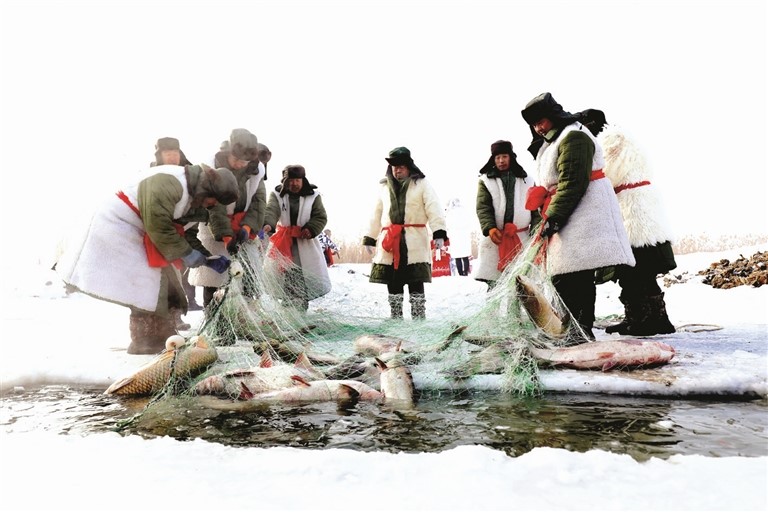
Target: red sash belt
{"type": "Point", "coordinates": [510, 244]}
{"type": "Point", "coordinates": [154, 257]}
{"type": "Point", "coordinates": [282, 241]}
{"type": "Point", "coordinates": [391, 241]}
{"type": "Point", "coordinates": [630, 185]}
{"type": "Point", "coordinates": [540, 197]}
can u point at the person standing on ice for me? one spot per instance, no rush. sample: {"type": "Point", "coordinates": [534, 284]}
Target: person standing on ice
{"type": "Point", "coordinates": [296, 215]}
{"type": "Point", "coordinates": [504, 220]}
{"type": "Point", "coordinates": [168, 152]}
{"type": "Point", "coordinates": [138, 240]}
{"type": "Point", "coordinates": [232, 226]}
{"type": "Point", "coordinates": [645, 313]}
{"type": "Point", "coordinates": [407, 216]}
{"type": "Point", "coordinates": [581, 219]}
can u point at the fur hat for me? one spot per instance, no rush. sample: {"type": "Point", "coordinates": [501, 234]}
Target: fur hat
{"type": "Point", "coordinates": [544, 105]}
{"type": "Point", "coordinates": [243, 144]}
{"type": "Point", "coordinates": [593, 119]}
{"type": "Point", "coordinates": [501, 147]}
{"type": "Point", "coordinates": [219, 183]}
{"type": "Point", "coordinates": [167, 144]}
{"type": "Point", "coordinates": [402, 156]}
{"type": "Point", "coordinates": [294, 172]}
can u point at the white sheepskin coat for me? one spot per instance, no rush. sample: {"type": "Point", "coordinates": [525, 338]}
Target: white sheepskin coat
{"type": "Point", "coordinates": [488, 267]}
{"type": "Point", "coordinates": [641, 207]}
{"type": "Point", "coordinates": [422, 206]}
{"type": "Point", "coordinates": [594, 235]}
{"type": "Point", "coordinates": [108, 259]}
{"type": "Point", "coordinates": [313, 267]}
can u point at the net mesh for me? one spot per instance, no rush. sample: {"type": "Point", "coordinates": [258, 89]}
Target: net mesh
{"type": "Point", "coordinates": [255, 317]}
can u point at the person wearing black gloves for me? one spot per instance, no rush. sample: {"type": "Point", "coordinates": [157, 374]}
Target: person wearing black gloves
{"type": "Point", "coordinates": [131, 250]}
{"type": "Point", "coordinates": [581, 219]}
{"type": "Point", "coordinates": [407, 216]}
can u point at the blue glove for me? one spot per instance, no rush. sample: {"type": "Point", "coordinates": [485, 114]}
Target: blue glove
{"type": "Point", "coordinates": [193, 259]}
{"type": "Point", "coordinates": [218, 263]}
{"type": "Point", "coordinates": [439, 243]}
{"type": "Point", "coordinates": [261, 234]}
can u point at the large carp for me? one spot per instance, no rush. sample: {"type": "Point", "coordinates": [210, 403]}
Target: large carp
{"type": "Point", "coordinates": [605, 355]}
{"type": "Point", "coordinates": [267, 376]}
{"type": "Point", "coordinates": [180, 360]}
{"type": "Point", "coordinates": [538, 307]}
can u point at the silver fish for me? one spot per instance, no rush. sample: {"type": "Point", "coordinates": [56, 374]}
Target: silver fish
{"type": "Point", "coordinates": [265, 377]}
{"type": "Point", "coordinates": [317, 391]}
{"type": "Point", "coordinates": [538, 307]}
{"type": "Point", "coordinates": [396, 382]}
{"type": "Point", "coordinates": [605, 355]}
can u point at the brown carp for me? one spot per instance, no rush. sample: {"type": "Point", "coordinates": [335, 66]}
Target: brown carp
{"type": "Point", "coordinates": [538, 307]}
{"type": "Point", "coordinates": [605, 355]}
{"type": "Point", "coordinates": [179, 360]}
{"type": "Point", "coordinates": [267, 376]}
{"type": "Point", "coordinates": [317, 391]}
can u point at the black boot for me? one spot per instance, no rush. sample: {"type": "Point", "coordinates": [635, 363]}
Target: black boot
{"type": "Point", "coordinates": [621, 327]}
{"type": "Point", "coordinates": [418, 305]}
{"type": "Point", "coordinates": [659, 312]}
{"type": "Point", "coordinates": [396, 305]}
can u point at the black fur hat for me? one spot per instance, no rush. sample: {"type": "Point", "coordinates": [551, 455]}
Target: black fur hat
{"type": "Point", "coordinates": [544, 105]}
{"type": "Point", "coordinates": [593, 119]}
{"type": "Point", "coordinates": [293, 172]}
{"type": "Point", "coordinates": [503, 147]}
{"type": "Point", "coordinates": [402, 156]}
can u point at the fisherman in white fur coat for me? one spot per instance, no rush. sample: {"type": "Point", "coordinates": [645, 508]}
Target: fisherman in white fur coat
{"type": "Point", "coordinates": [500, 206]}
{"type": "Point", "coordinates": [407, 216]}
{"type": "Point", "coordinates": [132, 248]}
{"type": "Point", "coordinates": [296, 215]}
{"type": "Point", "coordinates": [645, 313]}
{"type": "Point", "coordinates": [583, 226]}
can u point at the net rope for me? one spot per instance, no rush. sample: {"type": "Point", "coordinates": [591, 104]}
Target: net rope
{"type": "Point", "coordinates": [253, 317]}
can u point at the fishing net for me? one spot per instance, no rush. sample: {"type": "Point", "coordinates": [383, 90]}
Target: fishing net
{"type": "Point", "coordinates": [257, 317]}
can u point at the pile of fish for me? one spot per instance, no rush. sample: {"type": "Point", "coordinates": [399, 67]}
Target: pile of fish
{"type": "Point", "coordinates": [379, 370]}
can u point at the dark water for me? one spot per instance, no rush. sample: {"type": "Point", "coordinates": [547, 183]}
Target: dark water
{"type": "Point", "coordinates": [640, 427]}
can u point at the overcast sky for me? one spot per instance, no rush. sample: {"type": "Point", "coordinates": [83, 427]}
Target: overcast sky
{"type": "Point", "coordinates": [87, 88]}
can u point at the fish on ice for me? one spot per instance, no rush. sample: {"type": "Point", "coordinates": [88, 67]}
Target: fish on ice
{"type": "Point", "coordinates": [181, 360]}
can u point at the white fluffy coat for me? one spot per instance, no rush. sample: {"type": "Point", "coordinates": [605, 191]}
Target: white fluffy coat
{"type": "Point", "coordinates": [594, 235]}
{"type": "Point", "coordinates": [641, 207]}
{"type": "Point", "coordinates": [422, 206]}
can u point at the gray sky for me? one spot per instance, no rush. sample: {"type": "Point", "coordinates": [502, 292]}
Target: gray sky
{"type": "Point", "coordinates": [87, 88]}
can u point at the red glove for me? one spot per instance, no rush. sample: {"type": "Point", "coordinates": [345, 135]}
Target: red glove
{"type": "Point", "coordinates": [305, 234]}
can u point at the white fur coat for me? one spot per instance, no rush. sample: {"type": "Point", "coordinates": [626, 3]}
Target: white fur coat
{"type": "Point", "coordinates": [641, 207]}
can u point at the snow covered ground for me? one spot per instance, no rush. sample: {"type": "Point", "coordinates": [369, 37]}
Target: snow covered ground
{"type": "Point", "coordinates": [50, 337]}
